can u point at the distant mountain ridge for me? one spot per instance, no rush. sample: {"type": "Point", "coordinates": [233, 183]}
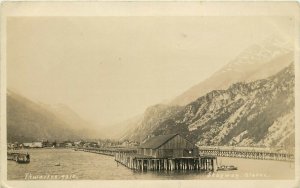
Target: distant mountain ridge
{"type": "Point", "coordinates": [29, 121]}
{"type": "Point", "coordinates": [259, 113]}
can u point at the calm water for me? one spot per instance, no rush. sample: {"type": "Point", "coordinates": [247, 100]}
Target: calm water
{"type": "Point", "coordinates": [90, 166]}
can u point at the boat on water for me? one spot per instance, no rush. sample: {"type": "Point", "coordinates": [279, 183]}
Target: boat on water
{"type": "Point", "coordinates": [57, 164]}
{"type": "Point", "coordinates": [226, 168]}
{"type": "Point", "coordinates": [18, 157]}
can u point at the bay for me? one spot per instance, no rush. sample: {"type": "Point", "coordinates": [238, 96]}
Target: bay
{"type": "Point", "coordinates": [69, 164]}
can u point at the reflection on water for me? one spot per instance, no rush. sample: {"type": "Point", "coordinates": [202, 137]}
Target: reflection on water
{"type": "Point", "coordinates": [90, 166]}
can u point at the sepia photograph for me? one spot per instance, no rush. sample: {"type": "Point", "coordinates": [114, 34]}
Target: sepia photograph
{"type": "Point", "coordinates": [159, 93]}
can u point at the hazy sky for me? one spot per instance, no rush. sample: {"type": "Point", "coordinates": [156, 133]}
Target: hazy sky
{"type": "Point", "coordinates": [108, 69]}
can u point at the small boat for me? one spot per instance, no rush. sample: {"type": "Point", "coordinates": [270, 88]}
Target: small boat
{"type": "Point", "coordinates": [23, 161]}
{"type": "Point", "coordinates": [18, 157]}
{"type": "Point", "coordinates": [227, 168]}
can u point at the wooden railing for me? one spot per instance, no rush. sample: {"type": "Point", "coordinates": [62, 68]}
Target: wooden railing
{"type": "Point", "coordinates": [247, 152]}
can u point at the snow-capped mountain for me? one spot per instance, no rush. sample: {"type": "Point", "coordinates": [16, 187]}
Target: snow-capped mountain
{"type": "Point", "coordinates": [256, 62]}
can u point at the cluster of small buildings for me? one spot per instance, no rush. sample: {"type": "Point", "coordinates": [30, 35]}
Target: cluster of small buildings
{"type": "Point", "coordinates": [70, 144]}
{"type": "Point", "coordinates": [45, 144]}
{"type": "Point", "coordinates": [17, 145]}
{"type": "Point", "coordinates": [129, 144]}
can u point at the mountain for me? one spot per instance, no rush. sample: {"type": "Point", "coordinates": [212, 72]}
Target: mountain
{"type": "Point", "coordinates": [149, 121]}
{"type": "Point", "coordinates": [68, 115]}
{"type": "Point", "coordinates": [122, 129]}
{"type": "Point", "coordinates": [30, 121]}
{"type": "Point", "coordinates": [258, 113]}
{"type": "Point", "coordinates": [74, 121]}
{"type": "Point", "coordinates": [256, 62]}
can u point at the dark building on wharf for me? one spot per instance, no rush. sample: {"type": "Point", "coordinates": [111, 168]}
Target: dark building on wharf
{"type": "Point", "coordinates": [168, 146]}
{"type": "Point", "coordinates": [167, 152]}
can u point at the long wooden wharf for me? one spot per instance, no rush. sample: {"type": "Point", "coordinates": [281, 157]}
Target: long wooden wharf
{"type": "Point", "coordinates": [107, 151]}
{"type": "Point", "coordinates": [247, 152]}
{"type": "Point", "coordinates": [173, 152]}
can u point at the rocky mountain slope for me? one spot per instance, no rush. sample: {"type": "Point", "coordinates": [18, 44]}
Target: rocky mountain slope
{"type": "Point", "coordinates": [150, 121]}
{"type": "Point", "coordinates": [258, 113]}
{"type": "Point", "coordinates": [29, 121]}
{"type": "Point", "coordinates": [257, 62]}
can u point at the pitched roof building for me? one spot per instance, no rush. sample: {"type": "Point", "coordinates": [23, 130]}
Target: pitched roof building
{"type": "Point", "coordinates": [172, 145]}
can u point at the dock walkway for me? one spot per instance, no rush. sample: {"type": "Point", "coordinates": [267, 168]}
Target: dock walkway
{"type": "Point", "coordinates": [107, 151]}
{"type": "Point", "coordinates": [249, 153]}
